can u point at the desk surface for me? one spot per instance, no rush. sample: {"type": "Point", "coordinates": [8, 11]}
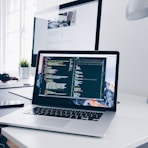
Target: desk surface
{"type": "Point", "coordinates": [128, 129]}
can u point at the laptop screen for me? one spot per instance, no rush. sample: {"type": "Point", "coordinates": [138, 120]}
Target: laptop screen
{"type": "Point", "coordinates": [76, 79]}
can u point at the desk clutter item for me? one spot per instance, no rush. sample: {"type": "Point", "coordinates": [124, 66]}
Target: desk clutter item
{"type": "Point", "coordinates": [14, 84]}
{"type": "Point", "coordinates": [25, 92]}
{"type": "Point", "coordinates": [6, 77]}
{"type": "Point", "coordinates": [11, 103]}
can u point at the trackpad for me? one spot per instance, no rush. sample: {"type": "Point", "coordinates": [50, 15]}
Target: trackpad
{"type": "Point", "coordinates": [43, 121]}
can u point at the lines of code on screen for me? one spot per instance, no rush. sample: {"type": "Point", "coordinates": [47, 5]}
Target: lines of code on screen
{"type": "Point", "coordinates": [73, 77]}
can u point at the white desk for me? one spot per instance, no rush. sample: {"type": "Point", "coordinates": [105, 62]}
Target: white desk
{"type": "Point", "coordinates": [128, 129]}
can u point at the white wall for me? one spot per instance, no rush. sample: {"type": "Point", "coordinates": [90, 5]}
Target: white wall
{"type": "Point", "coordinates": [128, 37]}
{"type": "Point", "coordinates": [131, 39]}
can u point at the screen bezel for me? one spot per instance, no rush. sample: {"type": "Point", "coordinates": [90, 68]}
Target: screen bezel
{"type": "Point", "coordinates": [49, 102]}
{"type": "Point", "coordinates": [66, 5]}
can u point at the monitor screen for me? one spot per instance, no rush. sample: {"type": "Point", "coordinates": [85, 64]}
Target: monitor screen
{"type": "Point", "coordinates": [70, 26]}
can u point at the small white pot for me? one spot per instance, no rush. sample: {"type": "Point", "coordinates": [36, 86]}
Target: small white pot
{"type": "Point", "coordinates": [24, 72]}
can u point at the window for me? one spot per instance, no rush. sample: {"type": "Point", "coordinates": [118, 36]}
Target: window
{"type": "Point", "coordinates": [16, 34]}
{"type": "Point", "coordinates": [2, 39]}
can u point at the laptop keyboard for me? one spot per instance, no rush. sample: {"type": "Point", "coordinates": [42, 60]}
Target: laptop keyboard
{"type": "Point", "coordinates": [64, 113]}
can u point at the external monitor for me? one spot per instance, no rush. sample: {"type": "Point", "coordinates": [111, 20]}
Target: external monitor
{"type": "Point", "coordinates": [71, 26]}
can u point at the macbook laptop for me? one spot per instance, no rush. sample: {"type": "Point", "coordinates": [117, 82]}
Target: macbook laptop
{"type": "Point", "coordinates": [74, 92]}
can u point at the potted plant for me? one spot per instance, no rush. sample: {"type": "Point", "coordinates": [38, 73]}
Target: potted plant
{"type": "Point", "coordinates": [24, 69]}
